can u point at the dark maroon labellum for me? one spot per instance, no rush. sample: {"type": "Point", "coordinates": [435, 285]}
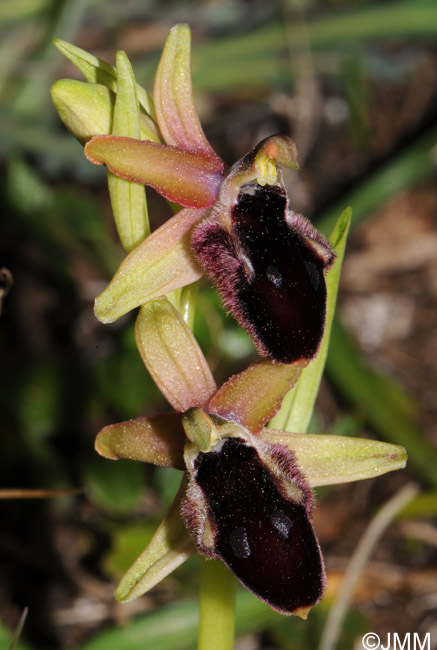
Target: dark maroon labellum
{"type": "Point", "coordinates": [270, 272]}
{"type": "Point", "coordinates": [258, 530]}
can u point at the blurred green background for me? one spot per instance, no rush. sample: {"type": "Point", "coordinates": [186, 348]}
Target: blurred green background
{"type": "Point", "coordinates": [355, 84]}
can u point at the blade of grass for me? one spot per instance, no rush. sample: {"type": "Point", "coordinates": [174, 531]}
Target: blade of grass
{"type": "Point", "coordinates": [175, 627]}
{"type": "Point", "coordinates": [362, 386]}
{"type": "Point", "coordinates": [260, 56]}
{"type": "Point", "coordinates": [406, 169]}
{"type": "Point", "coordinates": [19, 629]}
{"type": "Point", "coordinates": [15, 11]}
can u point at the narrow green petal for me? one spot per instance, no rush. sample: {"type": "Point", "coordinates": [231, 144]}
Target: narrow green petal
{"type": "Point", "coordinates": [85, 109]}
{"type": "Point", "coordinates": [158, 440]}
{"type": "Point", "coordinates": [187, 178]}
{"type": "Point", "coordinates": [172, 356]}
{"type": "Point", "coordinates": [96, 70]}
{"type": "Point", "coordinates": [328, 459]}
{"type": "Point", "coordinates": [253, 396]}
{"type": "Point", "coordinates": [162, 263]}
{"type": "Point", "coordinates": [297, 407]}
{"type": "Point", "coordinates": [173, 94]}
{"type": "Point", "coordinates": [169, 548]}
{"type": "Point", "coordinates": [128, 200]}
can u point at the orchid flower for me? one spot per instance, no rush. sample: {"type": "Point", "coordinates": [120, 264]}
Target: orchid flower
{"type": "Point", "coordinates": [218, 437]}
{"type": "Point", "coordinates": [246, 492]}
{"type": "Point", "coordinates": [267, 262]}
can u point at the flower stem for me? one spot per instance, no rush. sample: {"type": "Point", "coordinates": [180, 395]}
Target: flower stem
{"type": "Point", "coordinates": [217, 607]}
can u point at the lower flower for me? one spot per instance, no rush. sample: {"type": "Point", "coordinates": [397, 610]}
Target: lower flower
{"type": "Point", "coordinates": [245, 498]}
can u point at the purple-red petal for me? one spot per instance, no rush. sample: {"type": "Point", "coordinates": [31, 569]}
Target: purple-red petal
{"type": "Point", "coordinates": [188, 178]}
{"type": "Point", "coordinates": [253, 396]}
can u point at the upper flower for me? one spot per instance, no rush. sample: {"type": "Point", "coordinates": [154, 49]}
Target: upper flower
{"type": "Point", "coordinates": [267, 262]}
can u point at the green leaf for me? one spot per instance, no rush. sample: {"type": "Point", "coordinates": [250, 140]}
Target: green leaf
{"type": "Point", "coordinates": [297, 406]}
{"type": "Point", "coordinates": [409, 167]}
{"type": "Point", "coordinates": [175, 627]}
{"type": "Point", "coordinates": [423, 506]}
{"type": "Point", "coordinates": [128, 200]}
{"type": "Point", "coordinates": [114, 487]}
{"type": "Point", "coordinates": [6, 640]}
{"type": "Point", "coordinates": [127, 542]}
{"type": "Point", "coordinates": [18, 630]}
{"type": "Point", "coordinates": [377, 398]}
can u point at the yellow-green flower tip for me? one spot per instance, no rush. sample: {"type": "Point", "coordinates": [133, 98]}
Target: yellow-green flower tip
{"type": "Point", "coordinates": [86, 109]}
{"type": "Point", "coordinates": [199, 428]}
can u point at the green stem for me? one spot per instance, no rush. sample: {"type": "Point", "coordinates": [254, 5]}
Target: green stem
{"type": "Point", "coordinates": [217, 607]}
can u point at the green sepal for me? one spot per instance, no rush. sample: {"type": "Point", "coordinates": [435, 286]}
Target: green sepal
{"type": "Point", "coordinates": [170, 546]}
{"type": "Point", "coordinates": [328, 459]}
{"type": "Point", "coordinates": [172, 356]}
{"type": "Point", "coordinates": [128, 200]}
{"type": "Point", "coordinates": [96, 70]}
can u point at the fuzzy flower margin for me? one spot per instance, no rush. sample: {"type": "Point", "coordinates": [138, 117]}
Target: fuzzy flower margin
{"type": "Point", "coordinates": [123, 128]}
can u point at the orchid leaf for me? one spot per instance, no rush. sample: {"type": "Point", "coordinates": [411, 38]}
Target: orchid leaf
{"type": "Point", "coordinates": [172, 356]}
{"type": "Point", "coordinates": [173, 95]}
{"type": "Point", "coordinates": [162, 263]}
{"type": "Point", "coordinates": [184, 177]}
{"type": "Point", "coordinates": [159, 440]}
{"type": "Point", "coordinates": [253, 396]}
{"type": "Point", "coordinates": [169, 548]}
{"type": "Point", "coordinates": [297, 407]}
{"type": "Point", "coordinates": [128, 200]}
{"type": "Point", "coordinates": [329, 459]}
{"type": "Point", "coordinates": [96, 70]}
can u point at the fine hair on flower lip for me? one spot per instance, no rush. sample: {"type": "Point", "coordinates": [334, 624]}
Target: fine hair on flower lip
{"type": "Point", "coordinates": [269, 269]}
{"type": "Point", "coordinates": [248, 505]}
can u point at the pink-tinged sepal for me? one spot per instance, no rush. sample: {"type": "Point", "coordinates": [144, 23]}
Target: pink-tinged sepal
{"type": "Point", "coordinates": [158, 440]}
{"type": "Point", "coordinates": [267, 262]}
{"type": "Point", "coordinates": [248, 505]}
{"type": "Point", "coordinates": [173, 95]}
{"type": "Point", "coordinates": [252, 397]}
{"type": "Point", "coordinates": [188, 178]}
